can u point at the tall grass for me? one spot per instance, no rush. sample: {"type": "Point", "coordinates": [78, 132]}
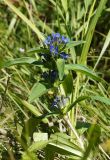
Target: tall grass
{"type": "Point", "coordinates": [30, 128]}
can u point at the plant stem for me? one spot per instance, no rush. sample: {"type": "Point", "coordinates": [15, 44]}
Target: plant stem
{"type": "Point", "coordinates": [66, 118]}
{"type": "Point", "coordinates": [73, 119]}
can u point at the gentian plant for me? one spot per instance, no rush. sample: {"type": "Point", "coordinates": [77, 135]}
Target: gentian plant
{"type": "Point", "coordinates": [55, 45]}
{"type": "Point", "coordinates": [55, 87]}
{"type": "Point", "coordinates": [54, 50]}
{"type": "Point", "coordinates": [53, 104]}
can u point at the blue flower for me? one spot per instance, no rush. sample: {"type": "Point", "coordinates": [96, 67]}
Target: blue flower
{"type": "Point", "coordinates": [60, 101]}
{"type": "Point", "coordinates": [53, 35]}
{"type": "Point", "coordinates": [65, 40]}
{"type": "Point", "coordinates": [54, 49]}
{"type": "Point", "coordinates": [56, 35]}
{"type": "Point", "coordinates": [55, 102]}
{"type": "Point", "coordinates": [53, 42]}
{"type": "Point", "coordinates": [47, 40]}
{"type": "Point", "coordinates": [64, 55]}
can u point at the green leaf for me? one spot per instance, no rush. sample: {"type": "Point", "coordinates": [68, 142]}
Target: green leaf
{"type": "Point", "coordinates": [60, 67]}
{"type": "Point", "coordinates": [37, 90]}
{"type": "Point", "coordinates": [61, 144]}
{"type": "Point", "coordinates": [38, 145]}
{"type": "Point", "coordinates": [79, 99]}
{"type": "Point", "coordinates": [64, 149]}
{"type": "Point", "coordinates": [68, 84]}
{"type": "Point", "coordinates": [65, 5]}
{"type": "Point", "coordinates": [24, 60]}
{"type": "Point", "coordinates": [64, 139]}
{"type": "Point", "coordinates": [83, 69]}
{"type": "Point", "coordinates": [29, 155]}
{"type": "Point", "coordinates": [34, 110]}
{"type": "Point", "coordinates": [73, 44]}
{"type": "Point", "coordinates": [101, 99]}
{"type": "Point", "coordinates": [37, 50]}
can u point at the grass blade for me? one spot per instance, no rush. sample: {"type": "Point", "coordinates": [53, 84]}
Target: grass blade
{"type": "Point", "coordinates": [107, 41]}
{"type": "Point", "coordinates": [91, 31]}
{"type": "Point", "coordinates": [84, 70]}
{"type": "Point", "coordinates": [25, 19]}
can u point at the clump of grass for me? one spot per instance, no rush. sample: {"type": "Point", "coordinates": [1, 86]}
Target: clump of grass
{"type": "Point", "coordinates": [54, 101]}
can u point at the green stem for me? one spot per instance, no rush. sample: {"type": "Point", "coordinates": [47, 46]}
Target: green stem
{"type": "Point", "coordinates": [66, 118]}
{"type": "Point", "coordinates": [75, 94]}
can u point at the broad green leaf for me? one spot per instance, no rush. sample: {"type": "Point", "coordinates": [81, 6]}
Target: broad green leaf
{"type": "Point", "coordinates": [64, 149]}
{"type": "Point", "coordinates": [73, 44]}
{"type": "Point", "coordinates": [60, 67]}
{"type": "Point", "coordinates": [37, 50]}
{"type": "Point", "coordinates": [33, 110]}
{"type": "Point", "coordinates": [68, 84]}
{"type": "Point", "coordinates": [37, 90]}
{"type": "Point", "coordinates": [64, 139]}
{"type": "Point", "coordinates": [83, 69]}
{"type": "Point", "coordinates": [25, 19]}
{"type": "Point", "coordinates": [24, 60]}
{"type": "Point", "coordinates": [61, 144]}
{"type": "Point", "coordinates": [40, 136]}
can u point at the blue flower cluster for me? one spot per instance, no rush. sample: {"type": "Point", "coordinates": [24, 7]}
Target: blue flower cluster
{"type": "Point", "coordinates": [54, 41]}
{"type": "Point", "coordinates": [59, 101]}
